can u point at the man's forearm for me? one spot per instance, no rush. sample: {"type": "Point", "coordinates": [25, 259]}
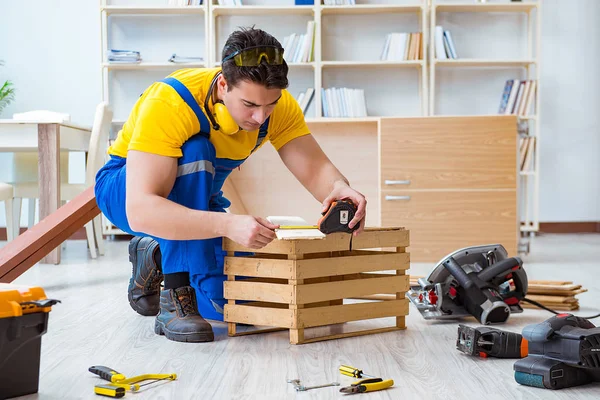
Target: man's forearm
{"type": "Point", "coordinates": [160, 217]}
{"type": "Point", "coordinates": [325, 180]}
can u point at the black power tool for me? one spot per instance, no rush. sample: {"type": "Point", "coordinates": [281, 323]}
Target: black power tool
{"type": "Point", "coordinates": [564, 351]}
{"type": "Point", "coordinates": [486, 342]}
{"type": "Point", "coordinates": [479, 281]}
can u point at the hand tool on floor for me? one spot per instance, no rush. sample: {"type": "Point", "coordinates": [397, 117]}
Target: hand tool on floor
{"type": "Point", "coordinates": [353, 372]}
{"type": "Point", "coordinates": [479, 281]}
{"type": "Point", "coordinates": [119, 384]}
{"type": "Point", "coordinates": [491, 342]}
{"type": "Point", "coordinates": [564, 351]}
{"type": "Point", "coordinates": [335, 219]}
{"type": "Point", "coordinates": [370, 384]}
{"type": "Point", "coordinates": [301, 388]}
{"type": "Point", "coordinates": [367, 385]}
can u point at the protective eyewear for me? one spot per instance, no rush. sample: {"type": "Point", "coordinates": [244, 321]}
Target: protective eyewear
{"type": "Point", "coordinates": [253, 56]}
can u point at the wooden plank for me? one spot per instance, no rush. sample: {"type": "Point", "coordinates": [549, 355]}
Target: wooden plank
{"type": "Point", "coordinates": [349, 288]}
{"type": "Point", "coordinates": [263, 316]}
{"type": "Point", "coordinates": [259, 291]}
{"type": "Point", "coordinates": [255, 331]}
{"type": "Point", "coordinates": [351, 334]}
{"type": "Point", "coordinates": [74, 213]}
{"type": "Point", "coordinates": [371, 238]}
{"type": "Point", "coordinates": [336, 266]}
{"type": "Point", "coordinates": [259, 267]}
{"type": "Point", "coordinates": [49, 177]}
{"type": "Point", "coordinates": [310, 317]}
{"type": "Point", "coordinates": [56, 241]}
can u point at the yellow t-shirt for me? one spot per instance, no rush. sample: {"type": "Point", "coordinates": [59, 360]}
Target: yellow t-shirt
{"type": "Point", "coordinates": [161, 121]}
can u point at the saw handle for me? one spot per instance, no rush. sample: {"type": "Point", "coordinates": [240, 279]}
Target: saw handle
{"type": "Point", "coordinates": [500, 268]}
{"type": "Point", "coordinates": [106, 373]}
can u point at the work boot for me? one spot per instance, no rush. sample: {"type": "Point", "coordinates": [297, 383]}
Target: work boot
{"type": "Point", "coordinates": [146, 276]}
{"type": "Point", "coordinates": [179, 319]}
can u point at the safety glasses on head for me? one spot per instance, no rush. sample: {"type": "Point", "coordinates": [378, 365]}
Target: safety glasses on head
{"type": "Point", "coordinates": [253, 56]}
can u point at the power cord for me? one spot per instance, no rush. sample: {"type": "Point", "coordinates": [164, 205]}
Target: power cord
{"type": "Point", "coordinates": [535, 303]}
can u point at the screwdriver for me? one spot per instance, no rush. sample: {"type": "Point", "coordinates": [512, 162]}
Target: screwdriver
{"type": "Point", "coordinates": [354, 372]}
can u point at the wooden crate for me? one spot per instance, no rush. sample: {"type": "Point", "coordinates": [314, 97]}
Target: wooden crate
{"type": "Point", "coordinates": [302, 283]}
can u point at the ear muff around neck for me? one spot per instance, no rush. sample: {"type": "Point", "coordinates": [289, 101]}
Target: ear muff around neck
{"type": "Point", "coordinates": [227, 124]}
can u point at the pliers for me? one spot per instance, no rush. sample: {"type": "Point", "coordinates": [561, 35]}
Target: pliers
{"type": "Point", "coordinates": [368, 385]}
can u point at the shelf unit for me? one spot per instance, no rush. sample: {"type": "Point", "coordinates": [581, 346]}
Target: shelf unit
{"type": "Point", "coordinates": [397, 88]}
{"type": "Point", "coordinates": [529, 65]}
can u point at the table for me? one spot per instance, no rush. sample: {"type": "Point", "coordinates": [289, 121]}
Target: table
{"type": "Point", "coordinates": [48, 138]}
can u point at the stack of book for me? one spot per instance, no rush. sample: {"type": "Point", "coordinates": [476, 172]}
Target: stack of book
{"type": "Point", "coordinates": [444, 45]}
{"type": "Point", "coordinates": [124, 56]}
{"type": "Point", "coordinates": [403, 46]}
{"type": "Point", "coordinates": [299, 48]}
{"type": "Point", "coordinates": [517, 97]}
{"type": "Point", "coordinates": [343, 102]}
{"type": "Point", "coordinates": [230, 2]}
{"type": "Point", "coordinates": [304, 99]}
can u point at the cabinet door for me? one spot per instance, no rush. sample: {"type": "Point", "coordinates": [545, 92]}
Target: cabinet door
{"type": "Point", "coordinates": [475, 152]}
{"type": "Point", "coordinates": [441, 222]}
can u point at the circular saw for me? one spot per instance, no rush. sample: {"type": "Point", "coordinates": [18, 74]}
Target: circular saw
{"type": "Point", "coordinates": [479, 281]}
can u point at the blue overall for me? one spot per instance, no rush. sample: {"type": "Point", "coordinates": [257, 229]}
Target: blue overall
{"type": "Point", "coordinates": [200, 178]}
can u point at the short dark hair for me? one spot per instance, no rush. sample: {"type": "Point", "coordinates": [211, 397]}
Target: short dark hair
{"type": "Point", "coordinates": [271, 76]}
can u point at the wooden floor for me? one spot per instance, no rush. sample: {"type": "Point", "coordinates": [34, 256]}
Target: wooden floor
{"type": "Point", "coordinates": [95, 325]}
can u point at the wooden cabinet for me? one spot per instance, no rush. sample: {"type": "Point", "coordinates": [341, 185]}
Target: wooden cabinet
{"type": "Point", "coordinates": [451, 181]}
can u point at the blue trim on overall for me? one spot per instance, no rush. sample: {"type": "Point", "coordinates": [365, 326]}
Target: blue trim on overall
{"type": "Point", "coordinates": [198, 186]}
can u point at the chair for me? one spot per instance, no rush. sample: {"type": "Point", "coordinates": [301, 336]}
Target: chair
{"type": "Point", "coordinates": [95, 161]}
{"type": "Point", "coordinates": [6, 195]}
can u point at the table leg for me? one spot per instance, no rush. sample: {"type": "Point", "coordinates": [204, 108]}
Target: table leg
{"type": "Point", "coordinates": [49, 177]}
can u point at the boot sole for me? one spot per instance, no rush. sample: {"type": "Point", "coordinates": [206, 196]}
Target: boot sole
{"type": "Point", "coordinates": [194, 337]}
{"type": "Point", "coordinates": [133, 259]}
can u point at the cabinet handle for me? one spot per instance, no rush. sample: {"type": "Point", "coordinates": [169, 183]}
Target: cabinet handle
{"type": "Point", "coordinates": [389, 182]}
{"type": "Point", "coordinates": [397, 197]}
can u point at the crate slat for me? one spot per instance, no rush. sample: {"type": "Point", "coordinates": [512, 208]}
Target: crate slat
{"type": "Point", "coordinates": [350, 264]}
{"type": "Point", "coordinates": [261, 316]}
{"type": "Point", "coordinates": [259, 267]}
{"type": "Point", "coordinates": [347, 288]}
{"type": "Point", "coordinates": [259, 291]}
{"type": "Point", "coordinates": [320, 316]}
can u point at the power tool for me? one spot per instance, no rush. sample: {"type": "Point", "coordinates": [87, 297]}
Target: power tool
{"type": "Point", "coordinates": [479, 281]}
{"type": "Point", "coordinates": [486, 342]}
{"type": "Point", "coordinates": [564, 351]}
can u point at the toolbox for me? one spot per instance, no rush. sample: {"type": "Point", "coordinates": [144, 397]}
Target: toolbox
{"type": "Point", "coordinates": [23, 320]}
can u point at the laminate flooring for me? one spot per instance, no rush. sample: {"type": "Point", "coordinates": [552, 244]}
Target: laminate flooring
{"type": "Point", "coordinates": [94, 325]}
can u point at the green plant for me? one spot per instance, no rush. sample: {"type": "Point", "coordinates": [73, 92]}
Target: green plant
{"type": "Point", "coordinates": [7, 93]}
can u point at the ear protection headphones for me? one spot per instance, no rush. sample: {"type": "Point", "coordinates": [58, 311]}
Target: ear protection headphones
{"type": "Point", "coordinates": [220, 118]}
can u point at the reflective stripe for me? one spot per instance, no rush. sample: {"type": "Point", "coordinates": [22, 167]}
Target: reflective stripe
{"type": "Point", "coordinates": [195, 166]}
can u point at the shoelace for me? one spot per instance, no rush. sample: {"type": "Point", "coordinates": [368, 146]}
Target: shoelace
{"type": "Point", "coordinates": [153, 282]}
{"type": "Point", "coordinates": [186, 302]}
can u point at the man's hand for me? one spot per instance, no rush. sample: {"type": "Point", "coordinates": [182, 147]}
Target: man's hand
{"type": "Point", "coordinates": [342, 190]}
{"type": "Point", "coordinates": [249, 231]}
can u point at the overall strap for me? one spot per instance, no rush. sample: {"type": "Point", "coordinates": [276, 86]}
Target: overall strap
{"type": "Point", "coordinates": [191, 102]}
{"type": "Point", "coordinates": [262, 133]}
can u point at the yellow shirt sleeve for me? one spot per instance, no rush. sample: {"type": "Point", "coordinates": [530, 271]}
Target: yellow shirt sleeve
{"type": "Point", "coordinates": [162, 127]}
{"type": "Point", "coordinates": [288, 122]}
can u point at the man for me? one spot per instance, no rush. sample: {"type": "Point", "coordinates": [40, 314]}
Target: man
{"type": "Point", "coordinates": [168, 164]}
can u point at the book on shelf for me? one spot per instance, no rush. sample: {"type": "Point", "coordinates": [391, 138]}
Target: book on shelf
{"type": "Point", "coordinates": [526, 153]}
{"type": "Point", "coordinates": [339, 2]}
{"type": "Point", "coordinates": [403, 46]}
{"type": "Point", "coordinates": [343, 102]}
{"type": "Point", "coordinates": [182, 3]}
{"type": "Point", "coordinates": [123, 56]}
{"type": "Point", "coordinates": [444, 45]}
{"type": "Point", "coordinates": [517, 97]}
{"type": "Point", "coordinates": [300, 48]}
{"type": "Point", "coordinates": [304, 99]}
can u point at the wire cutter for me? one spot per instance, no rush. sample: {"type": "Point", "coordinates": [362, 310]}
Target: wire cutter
{"type": "Point", "coordinates": [368, 385]}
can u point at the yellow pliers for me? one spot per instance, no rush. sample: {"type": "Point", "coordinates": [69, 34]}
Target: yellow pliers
{"type": "Point", "coordinates": [368, 385]}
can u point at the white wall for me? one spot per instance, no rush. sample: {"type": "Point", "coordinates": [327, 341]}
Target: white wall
{"type": "Point", "coordinates": [52, 54]}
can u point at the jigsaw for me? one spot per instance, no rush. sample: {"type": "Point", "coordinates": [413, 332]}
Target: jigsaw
{"type": "Point", "coordinates": [479, 281]}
